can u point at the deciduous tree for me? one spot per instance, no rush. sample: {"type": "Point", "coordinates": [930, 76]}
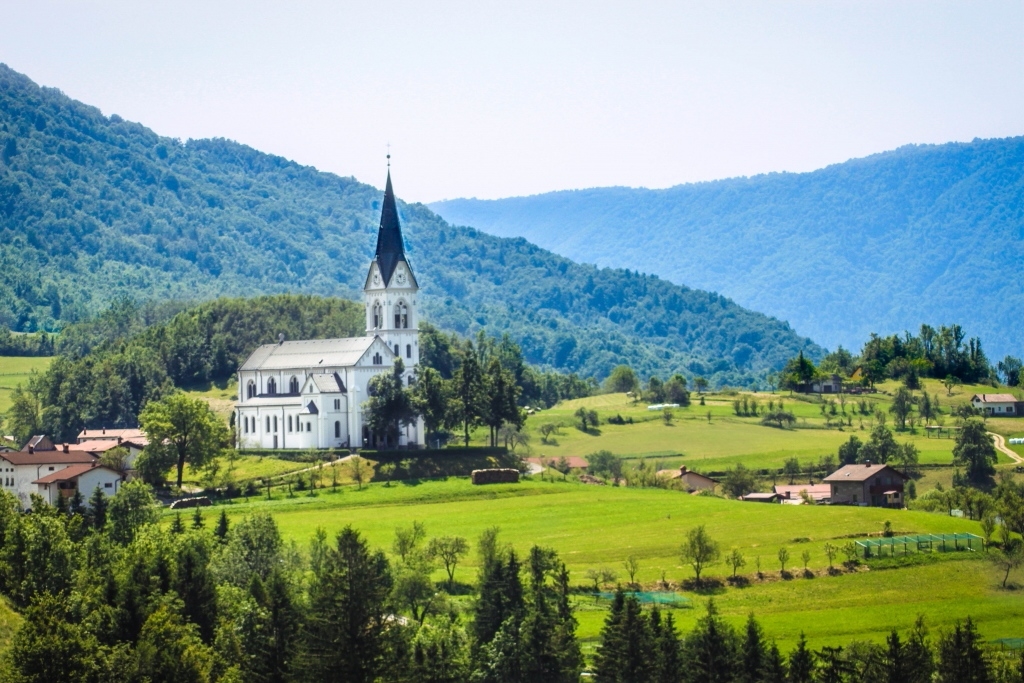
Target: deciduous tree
{"type": "Point", "coordinates": [185, 429]}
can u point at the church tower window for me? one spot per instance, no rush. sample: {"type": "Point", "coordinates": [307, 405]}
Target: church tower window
{"type": "Point", "coordinates": [397, 352]}
{"type": "Point", "coordinates": [401, 316]}
{"type": "Point", "coordinates": [377, 316]}
{"type": "Point", "coordinates": [408, 350]}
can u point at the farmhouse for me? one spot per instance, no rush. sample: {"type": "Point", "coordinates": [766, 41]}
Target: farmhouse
{"type": "Point", "coordinates": [999, 405]}
{"type": "Point", "coordinates": [693, 481]}
{"type": "Point", "coordinates": [21, 470]}
{"type": "Point", "coordinates": [309, 394]}
{"type": "Point", "coordinates": [867, 485]}
{"type": "Point", "coordinates": [85, 477]}
{"type": "Point", "coordinates": [116, 435]}
{"type": "Point", "coordinates": [832, 384]}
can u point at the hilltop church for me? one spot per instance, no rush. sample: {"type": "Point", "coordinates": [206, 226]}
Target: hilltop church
{"type": "Point", "coordinates": [309, 394]}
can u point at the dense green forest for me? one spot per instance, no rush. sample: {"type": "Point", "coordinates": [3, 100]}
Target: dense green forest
{"type": "Point", "coordinates": [93, 208]}
{"type": "Point", "coordinates": [110, 596]}
{"type": "Point", "coordinates": [923, 233]}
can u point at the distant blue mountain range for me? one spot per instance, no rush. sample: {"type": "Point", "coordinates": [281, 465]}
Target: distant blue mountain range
{"type": "Point", "coordinates": [925, 233]}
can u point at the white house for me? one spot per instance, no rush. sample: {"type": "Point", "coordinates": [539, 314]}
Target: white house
{"type": "Point", "coordinates": [21, 469]}
{"type": "Point", "coordinates": [1004, 405]}
{"type": "Point", "coordinates": [86, 477]}
{"type": "Point", "coordinates": [310, 393]}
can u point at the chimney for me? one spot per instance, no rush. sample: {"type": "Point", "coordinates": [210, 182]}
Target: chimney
{"type": "Point", "coordinates": [280, 338]}
{"type": "Point", "coordinates": [31, 450]}
{"type": "Point", "coordinates": [867, 463]}
{"type": "Point", "coordinates": [65, 448]}
{"type": "Point", "coordinates": [104, 430]}
{"type": "Point", "coordinates": [118, 441]}
{"type": "Point", "coordinates": [682, 470]}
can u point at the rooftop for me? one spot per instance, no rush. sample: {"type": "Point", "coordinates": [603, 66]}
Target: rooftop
{"type": "Point", "coordinates": [126, 434]}
{"type": "Point", "coordinates": [861, 472]}
{"type": "Point", "coordinates": [72, 472]}
{"type": "Point", "coordinates": [994, 398]}
{"type": "Point", "coordinates": [310, 353]}
{"type": "Point", "coordinates": [48, 457]}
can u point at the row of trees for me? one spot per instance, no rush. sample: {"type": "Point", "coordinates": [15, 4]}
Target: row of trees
{"type": "Point", "coordinates": [675, 389]}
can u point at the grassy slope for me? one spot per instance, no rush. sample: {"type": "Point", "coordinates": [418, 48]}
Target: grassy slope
{"type": "Point", "coordinates": [15, 370]}
{"type": "Point", "coordinates": [601, 526]}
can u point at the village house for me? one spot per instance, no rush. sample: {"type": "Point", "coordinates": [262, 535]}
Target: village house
{"type": "Point", "coordinates": [867, 485]}
{"type": "Point", "coordinates": [84, 477]}
{"type": "Point", "coordinates": [998, 405]}
{"type": "Point", "coordinates": [117, 435]}
{"type": "Point", "coordinates": [22, 469]}
{"type": "Point", "coordinates": [693, 481]}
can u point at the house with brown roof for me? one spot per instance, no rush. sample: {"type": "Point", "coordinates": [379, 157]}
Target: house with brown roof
{"type": "Point", "coordinates": [998, 405]}
{"type": "Point", "coordinates": [20, 470]}
{"type": "Point", "coordinates": [867, 485]}
{"type": "Point", "coordinates": [117, 435]}
{"type": "Point", "coordinates": [693, 481]}
{"type": "Point", "coordinates": [83, 477]}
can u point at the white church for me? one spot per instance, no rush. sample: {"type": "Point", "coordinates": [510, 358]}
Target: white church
{"type": "Point", "coordinates": [310, 394]}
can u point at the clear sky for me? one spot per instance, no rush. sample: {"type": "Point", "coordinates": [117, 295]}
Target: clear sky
{"type": "Point", "coordinates": [498, 99]}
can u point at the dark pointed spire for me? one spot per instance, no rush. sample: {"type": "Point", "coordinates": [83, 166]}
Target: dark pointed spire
{"type": "Point", "coordinates": [390, 246]}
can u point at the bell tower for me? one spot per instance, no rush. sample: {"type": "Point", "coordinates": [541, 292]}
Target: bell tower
{"type": "Point", "coordinates": [390, 292]}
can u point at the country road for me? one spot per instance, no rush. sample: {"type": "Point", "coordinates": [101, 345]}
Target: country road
{"type": "Point", "coordinates": [1000, 443]}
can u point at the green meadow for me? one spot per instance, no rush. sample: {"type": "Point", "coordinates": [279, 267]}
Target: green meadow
{"type": "Point", "coordinates": [15, 370]}
{"type": "Point", "coordinates": [595, 527]}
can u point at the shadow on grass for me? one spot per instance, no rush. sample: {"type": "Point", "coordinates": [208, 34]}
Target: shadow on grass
{"type": "Point", "coordinates": [457, 588]}
{"type": "Point", "coordinates": [808, 574]}
{"type": "Point", "coordinates": [411, 482]}
{"type": "Point", "coordinates": [786, 576]}
{"type": "Point", "coordinates": [706, 586]}
{"type": "Point", "coordinates": [738, 581]}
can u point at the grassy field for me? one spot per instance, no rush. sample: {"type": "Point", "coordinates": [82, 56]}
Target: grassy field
{"type": "Point", "coordinates": [594, 527]}
{"type": "Point", "coordinates": [15, 370]}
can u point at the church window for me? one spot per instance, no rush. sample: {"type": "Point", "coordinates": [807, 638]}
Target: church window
{"type": "Point", "coordinates": [289, 423]}
{"type": "Point", "coordinates": [397, 352]}
{"type": "Point", "coordinates": [250, 390]}
{"type": "Point", "coordinates": [309, 426]}
{"type": "Point", "coordinates": [408, 350]}
{"type": "Point", "coordinates": [401, 316]}
{"type": "Point", "coordinates": [245, 425]}
{"type": "Point", "coordinates": [275, 423]}
{"type": "Point", "coordinates": [271, 386]}
{"type": "Point", "coordinates": [293, 385]}
{"type": "Point", "coordinates": [337, 404]}
{"type": "Point", "coordinates": [268, 423]}
{"type": "Point", "coordinates": [337, 429]}
{"type": "Point", "coordinates": [377, 316]}
{"type": "Point", "coordinates": [377, 360]}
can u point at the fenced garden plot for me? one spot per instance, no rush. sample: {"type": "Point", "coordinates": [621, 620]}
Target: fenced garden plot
{"type": "Point", "coordinates": [660, 598]}
{"type": "Point", "coordinates": [895, 545]}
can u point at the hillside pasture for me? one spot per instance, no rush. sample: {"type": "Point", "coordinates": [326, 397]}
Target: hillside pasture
{"type": "Point", "coordinates": [15, 370]}
{"type": "Point", "coordinates": [600, 526]}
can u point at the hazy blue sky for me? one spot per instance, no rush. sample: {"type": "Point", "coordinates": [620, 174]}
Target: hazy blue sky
{"type": "Point", "coordinates": [487, 99]}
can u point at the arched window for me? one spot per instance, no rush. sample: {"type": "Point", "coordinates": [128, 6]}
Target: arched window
{"type": "Point", "coordinates": [250, 390]}
{"type": "Point", "coordinates": [337, 429]}
{"type": "Point", "coordinates": [408, 350]}
{"type": "Point", "coordinates": [271, 386]}
{"type": "Point", "coordinates": [397, 352]}
{"type": "Point", "coordinates": [245, 425]}
{"type": "Point", "coordinates": [309, 426]}
{"type": "Point", "coordinates": [377, 360]}
{"type": "Point", "coordinates": [275, 423]}
{"type": "Point", "coordinates": [268, 423]}
{"type": "Point", "coordinates": [289, 423]}
{"type": "Point", "coordinates": [378, 316]}
{"type": "Point", "coordinates": [401, 315]}
{"type": "Point", "coordinates": [293, 385]}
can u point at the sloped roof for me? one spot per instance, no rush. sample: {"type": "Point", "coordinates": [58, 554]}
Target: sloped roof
{"type": "Point", "coordinates": [328, 383]}
{"type": "Point", "coordinates": [87, 434]}
{"type": "Point", "coordinates": [48, 457]}
{"type": "Point", "coordinates": [72, 472]}
{"type": "Point", "coordinates": [995, 398]}
{"type": "Point", "coordinates": [310, 353]}
{"type": "Point", "coordinates": [100, 446]}
{"type": "Point", "coordinates": [858, 472]}
{"type": "Point", "coordinates": [815, 491]}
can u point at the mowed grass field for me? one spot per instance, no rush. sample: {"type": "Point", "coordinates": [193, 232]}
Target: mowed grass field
{"type": "Point", "coordinates": [600, 526]}
{"type": "Point", "coordinates": [15, 370]}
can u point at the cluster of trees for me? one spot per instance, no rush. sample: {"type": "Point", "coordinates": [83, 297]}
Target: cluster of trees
{"type": "Point", "coordinates": [107, 594]}
{"type": "Point", "coordinates": [25, 344]}
{"type": "Point", "coordinates": [644, 646]}
{"type": "Point", "coordinates": [942, 354]}
{"type": "Point", "coordinates": [675, 389]}
{"type": "Point", "coordinates": [92, 207]}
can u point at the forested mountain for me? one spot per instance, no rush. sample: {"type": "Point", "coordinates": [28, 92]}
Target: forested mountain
{"type": "Point", "coordinates": [880, 244]}
{"type": "Point", "coordinates": [93, 208]}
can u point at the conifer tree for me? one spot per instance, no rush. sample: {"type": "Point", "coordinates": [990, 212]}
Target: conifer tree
{"type": "Point", "coordinates": [801, 662]}
{"type": "Point", "coordinates": [668, 653]}
{"type": "Point", "coordinates": [76, 505]}
{"type": "Point", "coordinates": [197, 519]}
{"type": "Point", "coordinates": [711, 652]}
{"type": "Point", "coordinates": [754, 653]}
{"type": "Point", "coordinates": [98, 509]}
{"type": "Point", "coordinates": [221, 532]}
{"type": "Point", "coordinates": [920, 660]}
{"type": "Point", "coordinates": [774, 666]}
{"type": "Point", "coordinates": [177, 526]}
{"type": "Point", "coordinates": [961, 658]}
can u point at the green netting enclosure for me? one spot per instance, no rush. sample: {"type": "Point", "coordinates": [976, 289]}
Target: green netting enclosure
{"type": "Point", "coordinates": [901, 545]}
{"type": "Point", "coordinates": [1009, 643]}
{"type": "Point", "coordinates": [652, 598]}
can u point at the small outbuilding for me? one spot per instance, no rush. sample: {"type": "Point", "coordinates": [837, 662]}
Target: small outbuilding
{"type": "Point", "coordinates": [867, 485]}
{"type": "Point", "coordinates": [761, 498]}
{"type": "Point", "coordinates": [694, 481]}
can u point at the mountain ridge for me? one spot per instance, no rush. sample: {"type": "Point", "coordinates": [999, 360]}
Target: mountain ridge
{"type": "Point", "coordinates": [920, 233]}
{"type": "Point", "coordinates": [94, 207]}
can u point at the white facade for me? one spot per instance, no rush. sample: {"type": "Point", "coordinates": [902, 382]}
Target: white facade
{"type": "Point", "coordinates": [83, 478]}
{"type": "Point", "coordinates": [996, 404]}
{"type": "Point", "coordinates": [20, 470]}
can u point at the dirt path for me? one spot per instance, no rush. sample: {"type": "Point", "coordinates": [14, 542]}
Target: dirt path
{"type": "Point", "coordinates": [1000, 443]}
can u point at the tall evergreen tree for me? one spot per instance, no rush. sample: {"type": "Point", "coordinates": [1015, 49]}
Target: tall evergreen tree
{"type": "Point", "coordinates": [344, 640]}
{"type": "Point", "coordinates": [961, 658]}
{"type": "Point", "coordinates": [801, 662]}
{"type": "Point", "coordinates": [668, 653]}
{"type": "Point", "coordinates": [711, 653]}
{"type": "Point", "coordinates": [625, 651]}
{"type": "Point", "coordinates": [774, 666]}
{"type": "Point", "coordinates": [754, 652]}
{"type": "Point", "coordinates": [918, 655]}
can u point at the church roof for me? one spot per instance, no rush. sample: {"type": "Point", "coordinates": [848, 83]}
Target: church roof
{"type": "Point", "coordinates": [328, 383]}
{"type": "Point", "coordinates": [390, 245]}
{"type": "Point", "coordinates": [312, 353]}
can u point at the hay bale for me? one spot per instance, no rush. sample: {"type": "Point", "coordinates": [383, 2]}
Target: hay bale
{"type": "Point", "coordinates": [496, 475]}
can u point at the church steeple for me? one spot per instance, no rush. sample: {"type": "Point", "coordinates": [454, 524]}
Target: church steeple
{"type": "Point", "coordinates": [390, 245]}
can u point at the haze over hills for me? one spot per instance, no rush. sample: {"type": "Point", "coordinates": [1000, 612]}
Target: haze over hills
{"type": "Point", "coordinates": [93, 208]}
{"type": "Point", "coordinates": [881, 244]}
